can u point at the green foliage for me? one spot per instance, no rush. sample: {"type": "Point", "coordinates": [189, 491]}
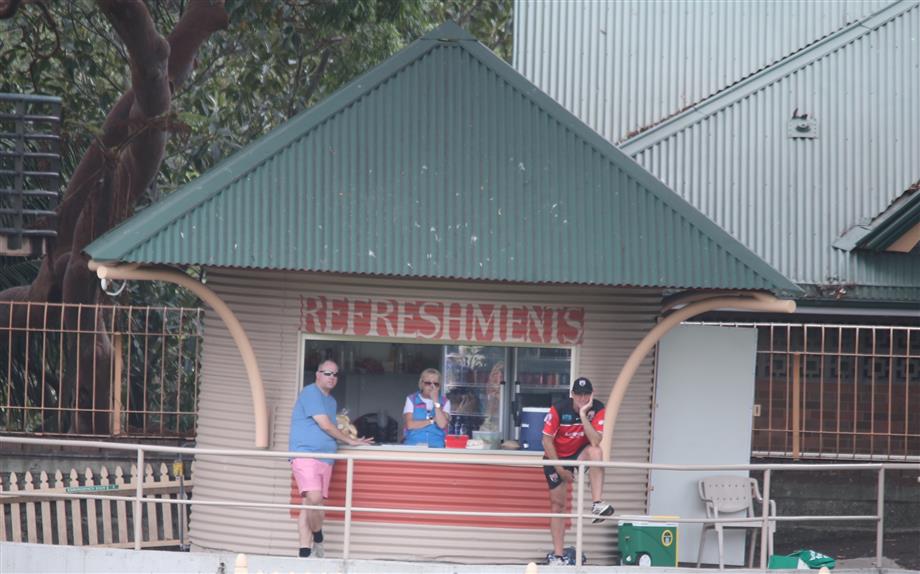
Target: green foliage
{"type": "Point", "coordinates": [16, 271]}
{"type": "Point", "coordinates": [276, 59]}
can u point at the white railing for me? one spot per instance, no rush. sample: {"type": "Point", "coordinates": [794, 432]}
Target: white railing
{"type": "Point", "coordinates": [765, 521]}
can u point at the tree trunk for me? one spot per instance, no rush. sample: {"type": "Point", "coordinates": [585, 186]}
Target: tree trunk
{"type": "Point", "coordinates": [111, 177]}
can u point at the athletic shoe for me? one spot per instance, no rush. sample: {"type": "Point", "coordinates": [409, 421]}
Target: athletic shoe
{"type": "Point", "coordinates": [569, 555]}
{"type": "Point", "coordinates": [601, 509]}
{"type": "Point", "coordinates": [555, 560]}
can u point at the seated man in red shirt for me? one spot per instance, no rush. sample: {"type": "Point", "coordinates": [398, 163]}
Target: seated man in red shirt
{"type": "Point", "coordinates": [572, 431]}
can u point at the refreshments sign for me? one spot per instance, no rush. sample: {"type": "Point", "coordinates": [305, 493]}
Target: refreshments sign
{"type": "Point", "coordinates": [442, 321]}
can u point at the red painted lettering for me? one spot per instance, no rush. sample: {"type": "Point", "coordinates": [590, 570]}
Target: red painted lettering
{"type": "Point", "coordinates": [484, 323]}
{"type": "Point", "coordinates": [571, 325]}
{"type": "Point", "coordinates": [517, 325]}
{"type": "Point", "coordinates": [430, 320]}
{"type": "Point", "coordinates": [362, 318]}
{"type": "Point", "coordinates": [310, 310]}
{"type": "Point", "coordinates": [382, 316]}
{"type": "Point", "coordinates": [455, 322]}
{"type": "Point", "coordinates": [535, 325]}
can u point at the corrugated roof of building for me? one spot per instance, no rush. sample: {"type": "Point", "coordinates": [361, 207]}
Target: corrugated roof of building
{"type": "Point", "coordinates": [792, 199]}
{"type": "Point", "coordinates": [441, 162]}
{"type": "Point", "coordinates": [627, 65]}
{"type": "Point", "coordinates": [882, 232]}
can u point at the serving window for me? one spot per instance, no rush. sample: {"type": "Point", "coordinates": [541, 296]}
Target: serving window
{"type": "Point", "coordinates": [487, 386]}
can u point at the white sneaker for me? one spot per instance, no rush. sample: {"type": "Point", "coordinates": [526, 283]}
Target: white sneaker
{"type": "Point", "coordinates": [600, 510]}
{"type": "Point", "coordinates": [554, 560]}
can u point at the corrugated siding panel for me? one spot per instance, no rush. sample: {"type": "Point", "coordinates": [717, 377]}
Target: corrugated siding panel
{"type": "Point", "coordinates": [268, 305]}
{"type": "Point", "coordinates": [468, 488]}
{"type": "Point", "coordinates": [452, 166]}
{"type": "Point", "coordinates": [789, 199]}
{"type": "Point", "coordinates": [625, 65]}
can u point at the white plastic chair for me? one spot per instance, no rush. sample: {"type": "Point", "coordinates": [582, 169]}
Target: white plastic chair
{"type": "Point", "coordinates": [733, 497]}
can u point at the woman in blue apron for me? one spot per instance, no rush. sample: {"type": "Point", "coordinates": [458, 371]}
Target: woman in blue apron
{"type": "Point", "coordinates": [427, 412]}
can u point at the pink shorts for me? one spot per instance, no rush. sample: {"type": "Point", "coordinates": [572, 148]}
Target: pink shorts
{"type": "Point", "coordinates": [312, 475]}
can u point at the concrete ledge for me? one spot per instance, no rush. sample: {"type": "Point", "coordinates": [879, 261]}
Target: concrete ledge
{"type": "Point", "coordinates": [16, 558]}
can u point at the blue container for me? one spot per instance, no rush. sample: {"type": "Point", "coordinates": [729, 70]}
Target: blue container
{"type": "Point", "coordinates": [532, 427]}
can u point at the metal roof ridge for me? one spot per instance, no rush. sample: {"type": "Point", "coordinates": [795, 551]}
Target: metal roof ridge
{"type": "Point", "coordinates": [145, 224]}
{"type": "Point", "coordinates": [237, 165]}
{"type": "Point", "coordinates": [765, 77]}
{"type": "Point", "coordinates": [447, 31]}
{"type": "Point", "coordinates": [615, 155]}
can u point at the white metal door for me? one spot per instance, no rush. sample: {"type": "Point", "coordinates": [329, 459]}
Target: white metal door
{"type": "Point", "coordinates": [703, 414]}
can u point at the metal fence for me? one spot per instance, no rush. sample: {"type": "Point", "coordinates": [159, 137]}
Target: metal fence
{"type": "Point", "coordinates": [30, 169]}
{"type": "Point", "coordinates": [766, 522]}
{"type": "Point", "coordinates": [99, 370]}
{"type": "Point", "coordinates": [842, 392]}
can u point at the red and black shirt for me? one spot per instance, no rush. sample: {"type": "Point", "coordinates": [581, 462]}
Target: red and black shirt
{"type": "Point", "coordinates": [563, 423]}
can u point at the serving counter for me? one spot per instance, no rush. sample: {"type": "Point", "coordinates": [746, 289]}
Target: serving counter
{"type": "Point", "coordinates": [425, 484]}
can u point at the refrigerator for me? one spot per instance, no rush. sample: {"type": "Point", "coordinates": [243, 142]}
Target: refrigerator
{"type": "Point", "coordinates": [481, 382]}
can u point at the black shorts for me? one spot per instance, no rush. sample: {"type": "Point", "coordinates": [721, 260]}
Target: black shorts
{"type": "Point", "coordinates": [552, 477]}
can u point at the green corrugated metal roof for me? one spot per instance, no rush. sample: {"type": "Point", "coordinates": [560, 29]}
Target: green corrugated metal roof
{"type": "Point", "coordinates": [902, 215]}
{"type": "Point", "coordinates": [441, 162]}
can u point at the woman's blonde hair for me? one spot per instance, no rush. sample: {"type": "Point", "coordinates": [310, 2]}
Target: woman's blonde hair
{"type": "Point", "coordinates": [421, 378]}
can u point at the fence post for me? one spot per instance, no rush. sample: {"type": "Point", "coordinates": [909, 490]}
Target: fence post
{"type": "Point", "coordinates": [796, 406]}
{"type": "Point", "coordinates": [579, 525]}
{"type": "Point", "coordinates": [765, 526]}
{"type": "Point", "coordinates": [880, 510]}
{"type": "Point", "coordinates": [349, 488]}
{"type": "Point", "coordinates": [15, 240]}
{"type": "Point", "coordinates": [116, 385]}
{"type": "Point", "coordinates": [241, 564]}
{"type": "Point", "coordinates": [138, 495]}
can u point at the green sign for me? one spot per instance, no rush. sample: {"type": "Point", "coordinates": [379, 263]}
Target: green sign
{"type": "Point", "coordinates": [91, 488]}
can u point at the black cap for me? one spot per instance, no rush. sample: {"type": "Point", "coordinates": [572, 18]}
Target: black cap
{"type": "Point", "coordinates": [582, 386]}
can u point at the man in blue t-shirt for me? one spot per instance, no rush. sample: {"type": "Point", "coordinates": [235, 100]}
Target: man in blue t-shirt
{"type": "Point", "coordinates": [313, 429]}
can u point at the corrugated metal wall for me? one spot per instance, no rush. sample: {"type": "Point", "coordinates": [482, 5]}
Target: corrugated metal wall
{"type": "Point", "coordinates": [268, 305]}
{"type": "Point", "coordinates": [789, 199]}
{"type": "Point", "coordinates": [622, 66]}
{"type": "Point", "coordinates": [426, 485]}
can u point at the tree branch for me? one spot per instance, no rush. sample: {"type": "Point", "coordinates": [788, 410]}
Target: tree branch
{"type": "Point", "coordinates": [148, 54]}
{"type": "Point", "coordinates": [8, 8]}
{"type": "Point", "coordinates": [317, 75]}
{"type": "Point", "coordinates": [200, 20]}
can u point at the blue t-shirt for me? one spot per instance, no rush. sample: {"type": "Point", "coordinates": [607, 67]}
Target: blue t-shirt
{"type": "Point", "coordinates": [306, 435]}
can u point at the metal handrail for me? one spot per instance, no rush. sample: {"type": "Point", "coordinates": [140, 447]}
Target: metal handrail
{"type": "Point", "coordinates": [766, 520]}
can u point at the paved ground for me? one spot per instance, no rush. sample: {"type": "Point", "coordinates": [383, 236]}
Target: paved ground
{"type": "Point", "coordinates": [852, 551]}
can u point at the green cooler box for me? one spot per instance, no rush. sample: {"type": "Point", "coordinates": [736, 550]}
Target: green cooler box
{"type": "Point", "coordinates": [648, 543]}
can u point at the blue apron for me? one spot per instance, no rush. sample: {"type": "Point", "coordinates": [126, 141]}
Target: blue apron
{"type": "Point", "coordinates": [432, 435]}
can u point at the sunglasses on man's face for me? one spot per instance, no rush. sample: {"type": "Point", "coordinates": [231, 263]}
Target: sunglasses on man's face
{"type": "Point", "coordinates": [329, 373]}
{"type": "Point", "coordinates": [432, 383]}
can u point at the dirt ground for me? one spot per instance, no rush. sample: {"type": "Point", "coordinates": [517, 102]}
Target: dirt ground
{"type": "Point", "coordinates": [902, 547]}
